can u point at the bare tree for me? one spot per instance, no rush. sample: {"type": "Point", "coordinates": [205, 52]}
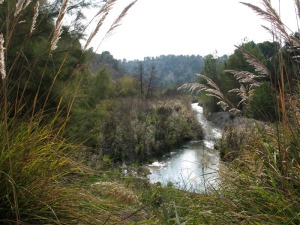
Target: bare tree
{"type": "Point", "coordinates": [150, 86]}
{"type": "Point", "coordinates": [141, 74]}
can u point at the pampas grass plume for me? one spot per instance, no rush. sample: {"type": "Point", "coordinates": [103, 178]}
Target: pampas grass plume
{"type": "Point", "coordinates": [2, 62]}
{"type": "Point", "coordinates": [21, 5]}
{"type": "Point", "coordinates": [117, 22]}
{"type": "Point", "coordinates": [36, 14]}
{"type": "Point", "coordinates": [57, 30]}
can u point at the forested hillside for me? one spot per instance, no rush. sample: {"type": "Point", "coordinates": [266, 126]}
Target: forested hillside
{"type": "Point", "coordinates": [169, 70]}
{"type": "Point", "coordinates": [165, 70]}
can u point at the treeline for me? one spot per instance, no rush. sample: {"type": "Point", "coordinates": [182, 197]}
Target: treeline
{"type": "Point", "coordinates": [169, 70]}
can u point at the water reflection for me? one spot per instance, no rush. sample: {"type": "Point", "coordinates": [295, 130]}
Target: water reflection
{"type": "Point", "coordinates": [193, 167]}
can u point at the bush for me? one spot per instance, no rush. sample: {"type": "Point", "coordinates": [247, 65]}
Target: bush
{"type": "Point", "coordinates": [139, 130]}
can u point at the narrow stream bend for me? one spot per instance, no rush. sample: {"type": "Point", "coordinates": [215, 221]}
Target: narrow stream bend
{"type": "Point", "coordinates": [194, 166]}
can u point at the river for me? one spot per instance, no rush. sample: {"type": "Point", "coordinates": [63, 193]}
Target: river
{"type": "Point", "coordinates": [193, 167]}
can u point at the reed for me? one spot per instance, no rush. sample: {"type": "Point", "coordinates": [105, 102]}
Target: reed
{"type": "Point", "coordinates": [36, 14]}
{"type": "Point", "coordinates": [2, 59]}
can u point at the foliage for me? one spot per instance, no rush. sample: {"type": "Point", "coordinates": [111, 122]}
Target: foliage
{"type": "Point", "coordinates": [212, 68]}
{"type": "Point", "coordinates": [238, 62]}
{"type": "Point", "coordinates": [90, 108]}
{"type": "Point", "coordinates": [105, 59]}
{"type": "Point", "coordinates": [100, 88]}
{"type": "Point", "coordinates": [29, 58]}
{"type": "Point", "coordinates": [262, 104]}
{"type": "Point", "coordinates": [138, 130]}
{"type": "Point", "coordinates": [209, 103]}
{"type": "Point", "coordinates": [126, 86]}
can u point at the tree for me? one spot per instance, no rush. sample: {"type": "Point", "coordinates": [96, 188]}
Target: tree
{"type": "Point", "coordinates": [127, 86]}
{"type": "Point", "coordinates": [151, 82]}
{"type": "Point", "coordinates": [141, 73]}
{"type": "Point", "coordinates": [100, 86]}
{"type": "Point", "coordinates": [212, 68]}
{"type": "Point", "coordinates": [262, 103]}
{"type": "Point", "coordinates": [35, 75]}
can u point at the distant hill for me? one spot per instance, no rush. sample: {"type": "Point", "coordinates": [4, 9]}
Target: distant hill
{"type": "Point", "coordinates": [170, 70]}
{"type": "Point", "coordinates": [167, 70]}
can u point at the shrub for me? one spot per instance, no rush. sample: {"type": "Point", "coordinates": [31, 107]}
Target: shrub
{"type": "Point", "coordinates": [139, 130]}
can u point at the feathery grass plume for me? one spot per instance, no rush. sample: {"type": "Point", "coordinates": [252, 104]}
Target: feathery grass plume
{"type": "Point", "coordinates": [36, 14]}
{"type": "Point", "coordinates": [243, 93]}
{"type": "Point", "coordinates": [193, 86]}
{"type": "Point", "coordinates": [213, 91]}
{"type": "Point", "coordinates": [235, 111]}
{"type": "Point", "coordinates": [248, 78]}
{"type": "Point", "coordinates": [216, 90]}
{"type": "Point", "coordinates": [104, 12]}
{"type": "Point", "coordinates": [116, 23]}
{"type": "Point", "coordinates": [93, 34]}
{"type": "Point", "coordinates": [245, 77]}
{"type": "Point", "coordinates": [106, 7]}
{"type": "Point", "coordinates": [270, 15]}
{"type": "Point", "coordinates": [2, 62]}
{"type": "Point", "coordinates": [253, 61]}
{"type": "Point", "coordinates": [297, 3]}
{"type": "Point", "coordinates": [57, 30]}
{"type": "Point", "coordinates": [223, 105]}
{"type": "Point", "coordinates": [21, 5]}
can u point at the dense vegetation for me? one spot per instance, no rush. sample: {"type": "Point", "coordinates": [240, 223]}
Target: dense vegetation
{"type": "Point", "coordinates": [72, 119]}
{"type": "Point", "coordinates": [238, 87]}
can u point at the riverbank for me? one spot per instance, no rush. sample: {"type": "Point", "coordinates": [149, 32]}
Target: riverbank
{"type": "Point", "coordinates": [225, 119]}
{"type": "Point", "coordinates": [237, 133]}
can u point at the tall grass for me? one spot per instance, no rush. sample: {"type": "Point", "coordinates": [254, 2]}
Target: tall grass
{"type": "Point", "coordinates": [33, 162]}
{"type": "Point", "coordinates": [36, 161]}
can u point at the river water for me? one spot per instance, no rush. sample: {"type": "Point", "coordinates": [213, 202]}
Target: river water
{"type": "Point", "coordinates": [194, 166]}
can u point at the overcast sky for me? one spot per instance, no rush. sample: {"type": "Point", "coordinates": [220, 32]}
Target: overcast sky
{"type": "Point", "coordinates": [186, 27]}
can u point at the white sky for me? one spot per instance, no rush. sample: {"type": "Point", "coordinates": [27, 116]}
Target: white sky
{"type": "Point", "coordinates": [199, 27]}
